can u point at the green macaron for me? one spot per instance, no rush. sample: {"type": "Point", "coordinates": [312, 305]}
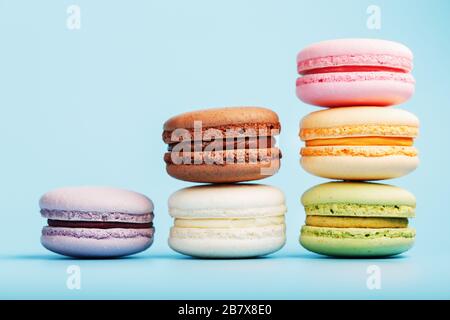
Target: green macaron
{"type": "Point", "coordinates": [357, 219]}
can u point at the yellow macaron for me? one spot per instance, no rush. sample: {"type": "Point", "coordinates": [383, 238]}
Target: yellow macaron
{"type": "Point", "coordinates": [359, 143]}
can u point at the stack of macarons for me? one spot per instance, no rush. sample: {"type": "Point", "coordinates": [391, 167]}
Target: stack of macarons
{"type": "Point", "coordinates": [359, 137]}
{"type": "Point", "coordinates": [225, 147]}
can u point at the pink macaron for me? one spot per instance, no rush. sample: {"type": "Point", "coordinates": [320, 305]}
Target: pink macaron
{"type": "Point", "coordinates": [355, 72]}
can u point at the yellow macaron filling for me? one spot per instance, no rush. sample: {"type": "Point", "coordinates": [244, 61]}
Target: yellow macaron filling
{"type": "Point", "coordinates": [356, 222]}
{"type": "Point", "coordinates": [359, 141]}
{"type": "Point", "coordinates": [362, 141]}
{"type": "Point", "coordinates": [229, 222]}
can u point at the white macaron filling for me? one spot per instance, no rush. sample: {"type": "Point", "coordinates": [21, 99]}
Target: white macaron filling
{"type": "Point", "coordinates": [229, 222]}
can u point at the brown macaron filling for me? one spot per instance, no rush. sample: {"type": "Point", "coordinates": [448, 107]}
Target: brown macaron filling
{"type": "Point", "coordinates": [97, 224]}
{"type": "Point", "coordinates": [225, 144]}
{"type": "Point", "coordinates": [96, 220]}
{"type": "Point", "coordinates": [235, 145]}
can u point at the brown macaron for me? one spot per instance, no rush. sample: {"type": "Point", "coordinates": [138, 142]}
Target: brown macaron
{"type": "Point", "coordinates": [222, 145]}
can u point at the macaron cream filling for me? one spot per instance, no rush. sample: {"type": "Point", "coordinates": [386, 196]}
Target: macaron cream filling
{"type": "Point", "coordinates": [225, 213]}
{"type": "Point", "coordinates": [246, 148]}
{"type": "Point", "coordinates": [358, 216]}
{"type": "Point", "coordinates": [97, 225]}
{"type": "Point", "coordinates": [356, 222]}
{"type": "Point", "coordinates": [225, 144]}
{"type": "Point", "coordinates": [362, 141]}
{"type": "Point", "coordinates": [229, 222]}
{"type": "Point", "coordinates": [370, 141]}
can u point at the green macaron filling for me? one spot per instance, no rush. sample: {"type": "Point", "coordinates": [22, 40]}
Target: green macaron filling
{"type": "Point", "coordinates": [355, 233]}
{"type": "Point", "coordinates": [360, 210]}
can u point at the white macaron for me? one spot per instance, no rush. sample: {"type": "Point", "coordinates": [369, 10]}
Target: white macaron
{"type": "Point", "coordinates": [227, 221]}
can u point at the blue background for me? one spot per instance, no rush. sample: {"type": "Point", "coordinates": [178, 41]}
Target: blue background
{"type": "Point", "coordinates": [86, 107]}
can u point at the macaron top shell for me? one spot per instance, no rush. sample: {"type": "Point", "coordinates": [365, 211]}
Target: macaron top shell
{"type": "Point", "coordinates": [358, 116]}
{"type": "Point", "coordinates": [355, 52]}
{"type": "Point", "coordinates": [358, 193]}
{"type": "Point", "coordinates": [225, 201]}
{"type": "Point", "coordinates": [223, 117]}
{"type": "Point", "coordinates": [96, 199]}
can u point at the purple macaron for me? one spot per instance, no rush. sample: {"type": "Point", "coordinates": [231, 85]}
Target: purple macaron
{"type": "Point", "coordinates": [96, 222]}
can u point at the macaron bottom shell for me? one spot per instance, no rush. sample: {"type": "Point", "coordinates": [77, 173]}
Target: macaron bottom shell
{"type": "Point", "coordinates": [359, 167]}
{"type": "Point", "coordinates": [344, 89]}
{"type": "Point", "coordinates": [228, 243]}
{"type": "Point", "coordinates": [96, 243]}
{"type": "Point", "coordinates": [354, 242]}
